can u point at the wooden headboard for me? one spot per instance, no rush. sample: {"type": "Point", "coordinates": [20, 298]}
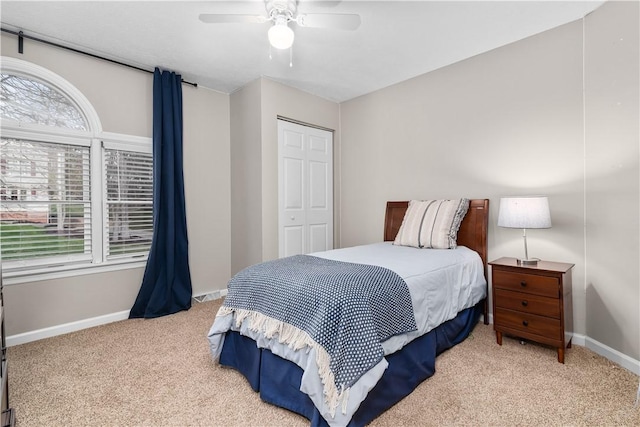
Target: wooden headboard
{"type": "Point", "coordinates": [472, 233]}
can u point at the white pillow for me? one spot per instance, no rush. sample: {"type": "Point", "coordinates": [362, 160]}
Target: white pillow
{"type": "Point", "coordinates": [432, 223]}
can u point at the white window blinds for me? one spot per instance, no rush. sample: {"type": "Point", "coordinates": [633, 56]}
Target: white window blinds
{"type": "Point", "coordinates": [45, 201]}
{"type": "Point", "coordinates": [129, 202]}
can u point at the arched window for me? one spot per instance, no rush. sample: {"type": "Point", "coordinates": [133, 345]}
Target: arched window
{"type": "Point", "coordinates": [71, 196]}
{"type": "Point", "coordinates": [27, 100]}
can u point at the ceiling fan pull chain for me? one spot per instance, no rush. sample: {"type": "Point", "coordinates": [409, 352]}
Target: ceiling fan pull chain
{"type": "Point", "coordinates": [291, 57]}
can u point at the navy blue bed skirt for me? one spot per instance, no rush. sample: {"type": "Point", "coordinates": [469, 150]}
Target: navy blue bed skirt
{"type": "Point", "coordinates": [278, 380]}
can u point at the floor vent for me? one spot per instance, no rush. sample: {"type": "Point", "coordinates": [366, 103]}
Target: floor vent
{"type": "Point", "coordinates": [210, 296]}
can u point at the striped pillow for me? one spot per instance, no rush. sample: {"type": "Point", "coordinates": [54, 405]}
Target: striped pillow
{"type": "Point", "coordinates": [432, 223]}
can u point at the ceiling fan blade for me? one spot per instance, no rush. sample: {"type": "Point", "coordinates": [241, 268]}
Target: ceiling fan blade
{"type": "Point", "coordinates": [337, 21]}
{"type": "Point", "coordinates": [213, 18]}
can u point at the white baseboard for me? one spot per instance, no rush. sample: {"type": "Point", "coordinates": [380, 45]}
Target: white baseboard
{"type": "Point", "coordinates": [65, 328]}
{"type": "Point", "coordinates": [612, 354]}
{"type": "Point", "coordinates": [89, 323]}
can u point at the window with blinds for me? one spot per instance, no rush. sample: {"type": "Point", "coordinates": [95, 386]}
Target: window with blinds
{"type": "Point", "coordinates": [129, 202]}
{"type": "Point", "coordinates": [71, 196]}
{"type": "Point", "coordinates": [45, 201]}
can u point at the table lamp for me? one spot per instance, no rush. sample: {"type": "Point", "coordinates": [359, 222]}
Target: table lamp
{"type": "Point", "coordinates": [524, 212]}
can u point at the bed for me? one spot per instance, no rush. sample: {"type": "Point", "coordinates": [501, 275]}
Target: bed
{"type": "Point", "coordinates": [291, 371]}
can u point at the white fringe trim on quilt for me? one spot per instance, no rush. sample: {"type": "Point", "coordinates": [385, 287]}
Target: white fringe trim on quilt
{"type": "Point", "coordinates": [295, 339]}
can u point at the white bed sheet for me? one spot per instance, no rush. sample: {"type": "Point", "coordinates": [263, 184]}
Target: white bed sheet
{"type": "Point", "coordinates": [442, 282]}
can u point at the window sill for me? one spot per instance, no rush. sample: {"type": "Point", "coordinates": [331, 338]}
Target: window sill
{"type": "Point", "coordinates": [25, 276]}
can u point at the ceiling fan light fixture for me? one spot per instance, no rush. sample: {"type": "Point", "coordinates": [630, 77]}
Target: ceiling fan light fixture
{"type": "Point", "coordinates": [280, 35]}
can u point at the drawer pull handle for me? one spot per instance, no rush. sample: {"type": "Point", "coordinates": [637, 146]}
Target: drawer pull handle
{"type": "Point", "coordinates": [523, 283]}
{"type": "Point", "coordinates": [525, 323]}
{"type": "Point", "coordinates": [525, 303]}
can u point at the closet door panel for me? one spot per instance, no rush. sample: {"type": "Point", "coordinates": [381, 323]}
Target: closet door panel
{"type": "Point", "coordinates": [305, 174]}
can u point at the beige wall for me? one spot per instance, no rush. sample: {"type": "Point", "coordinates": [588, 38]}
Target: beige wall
{"type": "Point", "coordinates": [122, 98]}
{"type": "Point", "coordinates": [511, 122]}
{"type": "Point", "coordinates": [254, 162]}
{"type": "Point", "coordinates": [207, 171]}
{"type": "Point", "coordinates": [612, 176]}
{"type": "Point", "coordinates": [246, 177]}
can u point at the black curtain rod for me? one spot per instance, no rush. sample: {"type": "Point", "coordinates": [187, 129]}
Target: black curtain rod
{"type": "Point", "coordinates": [22, 36]}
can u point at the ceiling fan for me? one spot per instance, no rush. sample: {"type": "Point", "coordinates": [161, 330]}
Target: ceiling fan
{"type": "Point", "coordinates": [280, 13]}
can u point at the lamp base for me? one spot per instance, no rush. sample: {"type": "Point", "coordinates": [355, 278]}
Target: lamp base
{"type": "Point", "coordinates": [527, 261]}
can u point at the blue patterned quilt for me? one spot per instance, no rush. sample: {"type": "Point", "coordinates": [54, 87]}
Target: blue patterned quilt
{"type": "Point", "coordinates": [346, 309]}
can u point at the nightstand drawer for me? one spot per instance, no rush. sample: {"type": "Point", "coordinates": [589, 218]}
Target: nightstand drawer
{"type": "Point", "coordinates": [527, 303]}
{"type": "Point", "coordinates": [529, 323]}
{"type": "Point", "coordinates": [529, 283]}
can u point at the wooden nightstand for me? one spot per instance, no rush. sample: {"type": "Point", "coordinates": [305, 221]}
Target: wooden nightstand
{"type": "Point", "coordinates": [533, 302]}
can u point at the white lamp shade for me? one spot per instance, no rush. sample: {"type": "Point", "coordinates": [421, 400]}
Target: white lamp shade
{"type": "Point", "coordinates": [281, 36]}
{"type": "Point", "coordinates": [524, 212]}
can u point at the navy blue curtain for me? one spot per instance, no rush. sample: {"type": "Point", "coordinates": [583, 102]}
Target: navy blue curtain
{"type": "Point", "coordinates": [166, 285]}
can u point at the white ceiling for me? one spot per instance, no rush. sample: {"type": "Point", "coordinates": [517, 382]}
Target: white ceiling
{"type": "Point", "coordinates": [397, 40]}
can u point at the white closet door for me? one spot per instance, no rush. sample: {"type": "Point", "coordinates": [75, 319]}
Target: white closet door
{"type": "Point", "coordinates": [305, 189]}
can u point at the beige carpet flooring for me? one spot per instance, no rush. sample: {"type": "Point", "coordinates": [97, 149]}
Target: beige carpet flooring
{"type": "Point", "coordinates": [158, 372]}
